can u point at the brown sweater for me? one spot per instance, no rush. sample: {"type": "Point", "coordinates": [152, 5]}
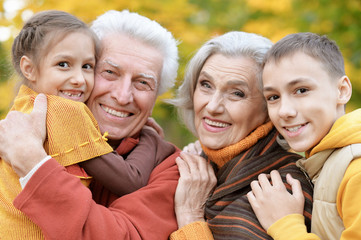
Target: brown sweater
{"type": "Point", "coordinates": [122, 172]}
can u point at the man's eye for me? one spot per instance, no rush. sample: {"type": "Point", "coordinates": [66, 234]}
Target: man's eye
{"type": "Point", "coordinates": [142, 85]}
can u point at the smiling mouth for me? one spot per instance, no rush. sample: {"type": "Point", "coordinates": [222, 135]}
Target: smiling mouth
{"type": "Point", "coordinates": [72, 95]}
{"type": "Point", "coordinates": [114, 112]}
{"type": "Point", "coordinates": [216, 124]}
{"type": "Point", "coordinates": [294, 129]}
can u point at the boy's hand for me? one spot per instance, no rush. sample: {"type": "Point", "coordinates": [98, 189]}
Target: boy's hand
{"type": "Point", "coordinates": [271, 202]}
{"type": "Point", "coordinates": [22, 137]}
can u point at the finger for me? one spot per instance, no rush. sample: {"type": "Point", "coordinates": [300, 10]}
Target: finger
{"type": "Point", "coordinates": [252, 199]}
{"type": "Point", "coordinates": [296, 187]}
{"type": "Point", "coordinates": [40, 107]}
{"type": "Point", "coordinates": [256, 189]}
{"type": "Point", "coordinates": [152, 123]}
{"type": "Point", "coordinates": [191, 161]}
{"type": "Point", "coordinates": [183, 167]}
{"type": "Point", "coordinates": [277, 180]}
{"type": "Point", "coordinates": [198, 147]}
{"type": "Point", "coordinates": [263, 181]}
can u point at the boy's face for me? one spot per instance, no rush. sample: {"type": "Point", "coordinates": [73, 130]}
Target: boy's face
{"type": "Point", "coordinates": [303, 101]}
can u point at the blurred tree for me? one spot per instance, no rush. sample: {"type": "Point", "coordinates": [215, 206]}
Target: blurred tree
{"type": "Point", "coordinates": [195, 21]}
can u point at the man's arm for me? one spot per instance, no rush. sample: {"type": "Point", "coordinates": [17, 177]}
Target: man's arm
{"type": "Point", "coordinates": [61, 206]}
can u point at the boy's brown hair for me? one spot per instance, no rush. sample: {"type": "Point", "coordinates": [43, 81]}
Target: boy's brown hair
{"type": "Point", "coordinates": [318, 47]}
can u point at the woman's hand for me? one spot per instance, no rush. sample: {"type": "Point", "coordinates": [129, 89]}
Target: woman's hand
{"type": "Point", "coordinates": [196, 182]}
{"type": "Point", "coordinates": [22, 137]}
{"type": "Point", "coordinates": [271, 202]}
{"type": "Point", "coordinates": [193, 148]}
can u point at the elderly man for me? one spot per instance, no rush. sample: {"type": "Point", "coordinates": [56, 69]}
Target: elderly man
{"type": "Point", "coordinates": [138, 61]}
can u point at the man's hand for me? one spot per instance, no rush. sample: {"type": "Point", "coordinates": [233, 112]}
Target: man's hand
{"type": "Point", "coordinates": [196, 183]}
{"type": "Point", "coordinates": [22, 137]}
{"type": "Point", "coordinates": [271, 202]}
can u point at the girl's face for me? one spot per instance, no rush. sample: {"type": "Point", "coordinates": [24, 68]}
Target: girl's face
{"type": "Point", "coordinates": [67, 70]}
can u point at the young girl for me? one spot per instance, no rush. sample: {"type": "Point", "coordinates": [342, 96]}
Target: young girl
{"type": "Point", "coordinates": [55, 53]}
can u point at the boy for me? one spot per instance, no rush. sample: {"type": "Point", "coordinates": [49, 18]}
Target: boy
{"type": "Point", "coordinates": [306, 91]}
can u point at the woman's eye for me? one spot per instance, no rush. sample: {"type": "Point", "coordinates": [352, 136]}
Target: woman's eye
{"type": "Point", "coordinates": [205, 84]}
{"type": "Point", "coordinates": [239, 94]}
{"type": "Point", "coordinates": [301, 90]}
{"type": "Point", "coordinates": [63, 64]}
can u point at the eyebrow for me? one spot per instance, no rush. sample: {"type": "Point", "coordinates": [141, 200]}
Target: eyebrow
{"type": "Point", "coordinates": [290, 84]}
{"type": "Point", "coordinates": [111, 63]}
{"type": "Point", "coordinates": [232, 82]}
{"type": "Point", "coordinates": [145, 75]}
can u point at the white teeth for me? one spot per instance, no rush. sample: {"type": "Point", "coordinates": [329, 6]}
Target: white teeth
{"type": "Point", "coordinates": [114, 113]}
{"type": "Point", "coordinates": [216, 124]}
{"type": "Point", "coordinates": [294, 129]}
{"type": "Point", "coordinates": [72, 95]}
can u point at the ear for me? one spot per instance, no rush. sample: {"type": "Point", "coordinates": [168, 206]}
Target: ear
{"type": "Point", "coordinates": [28, 68]}
{"type": "Point", "coordinates": [344, 90]}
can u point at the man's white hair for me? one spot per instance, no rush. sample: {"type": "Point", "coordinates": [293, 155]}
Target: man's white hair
{"type": "Point", "coordinates": [147, 31]}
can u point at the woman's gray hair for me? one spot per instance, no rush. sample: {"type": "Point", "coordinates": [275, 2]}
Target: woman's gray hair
{"type": "Point", "coordinates": [147, 31]}
{"type": "Point", "coordinates": [231, 44]}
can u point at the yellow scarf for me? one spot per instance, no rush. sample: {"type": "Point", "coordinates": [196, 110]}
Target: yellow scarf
{"type": "Point", "coordinates": [73, 136]}
{"type": "Point", "coordinates": [223, 155]}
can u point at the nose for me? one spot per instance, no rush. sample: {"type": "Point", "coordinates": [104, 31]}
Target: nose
{"type": "Point", "coordinates": [78, 78]}
{"type": "Point", "coordinates": [122, 92]}
{"type": "Point", "coordinates": [287, 109]}
{"type": "Point", "coordinates": [216, 103]}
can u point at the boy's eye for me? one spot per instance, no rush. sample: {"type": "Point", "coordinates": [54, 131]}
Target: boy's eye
{"type": "Point", "coordinates": [272, 98]}
{"type": "Point", "coordinates": [301, 90]}
{"type": "Point", "coordinates": [63, 64]}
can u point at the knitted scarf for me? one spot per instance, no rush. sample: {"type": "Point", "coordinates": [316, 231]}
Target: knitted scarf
{"type": "Point", "coordinates": [228, 211]}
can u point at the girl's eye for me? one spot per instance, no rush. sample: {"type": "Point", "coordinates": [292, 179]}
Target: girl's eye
{"type": "Point", "coordinates": [63, 64]}
{"type": "Point", "coordinates": [88, 66]}
{"type": "Point", "coordinates": [301, 90]}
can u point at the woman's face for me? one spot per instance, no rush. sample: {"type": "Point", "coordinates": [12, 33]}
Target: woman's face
{"type": "Point", "coordinates": [228, 103]}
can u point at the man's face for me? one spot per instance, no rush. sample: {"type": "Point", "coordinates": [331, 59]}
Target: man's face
{"type": "Point", "coordinates": [126, 84]}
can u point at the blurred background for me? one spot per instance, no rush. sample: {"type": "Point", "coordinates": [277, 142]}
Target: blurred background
{"type": "Point", "coordinates": [195, 21]}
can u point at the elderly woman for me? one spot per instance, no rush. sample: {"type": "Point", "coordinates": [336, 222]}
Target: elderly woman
{"type": "Point", "coordinates": [221, 102]}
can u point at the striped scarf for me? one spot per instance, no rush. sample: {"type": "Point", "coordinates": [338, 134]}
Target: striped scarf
{"type": "Point", "coordinates": [228, 211]}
